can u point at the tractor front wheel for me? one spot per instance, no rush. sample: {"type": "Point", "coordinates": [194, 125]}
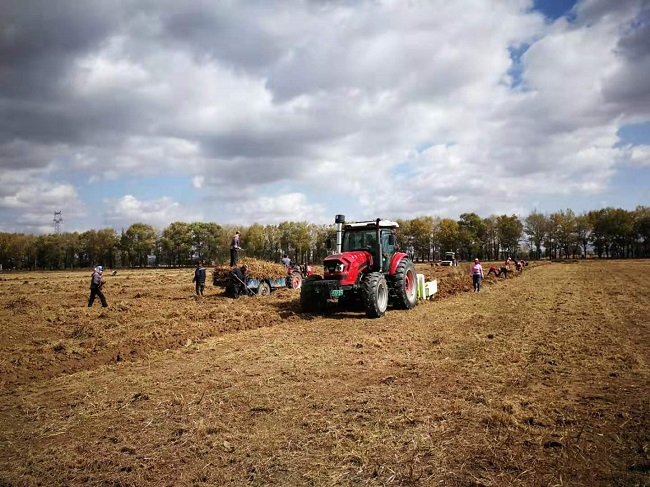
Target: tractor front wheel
{"type": "Point", "coordinates": [375, 294]}
{"type": "Point", "coordinates": [405, 286]}
{"type": "Point", "coordinates": [310, 300]}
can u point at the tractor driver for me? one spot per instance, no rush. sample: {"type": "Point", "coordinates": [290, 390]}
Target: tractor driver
{"type": "Point", "coordinates": [371, 243]}
{"type": "Point", "coordinates": [387, 249]}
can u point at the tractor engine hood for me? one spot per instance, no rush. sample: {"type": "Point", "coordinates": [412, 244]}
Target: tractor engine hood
{"type": "Point", "coordinates": [345, 267]}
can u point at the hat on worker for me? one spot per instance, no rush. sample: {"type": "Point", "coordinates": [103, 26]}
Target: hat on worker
{"type": "Point", "coordinates": [476, 260]}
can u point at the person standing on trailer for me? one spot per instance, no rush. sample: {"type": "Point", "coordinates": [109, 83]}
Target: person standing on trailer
{"type": "Point", "coordinates": [234, 249]}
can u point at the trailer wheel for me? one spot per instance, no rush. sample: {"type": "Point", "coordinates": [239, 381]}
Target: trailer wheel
{"type": "Point", "coordinates": [375, 294]}
{"type": "Point", "coordinates": [310, 300]}
{"type": "Point", "coordinates": [295, 280]}
{"type": "Point", "coordinates": [264, 289]}
{"type": "Point", "coordinates": [405, 285]}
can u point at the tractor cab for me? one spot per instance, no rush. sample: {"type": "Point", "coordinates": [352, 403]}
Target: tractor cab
{"type": "Point", "coordinates": [363, 237]}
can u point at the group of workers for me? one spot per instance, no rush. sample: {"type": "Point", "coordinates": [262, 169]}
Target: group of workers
{"type": "Point", "coordinates": [237, 286]}
{"type": "Point", "coordinates": [238, 276]}
{"type": "Point", "coordinates": [476, 271]}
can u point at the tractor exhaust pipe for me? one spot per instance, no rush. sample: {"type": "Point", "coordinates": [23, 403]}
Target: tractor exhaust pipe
{"type": "Point", "coordinates": [379, 264]}
{"type": "Point", "coordinates": [339, 220]}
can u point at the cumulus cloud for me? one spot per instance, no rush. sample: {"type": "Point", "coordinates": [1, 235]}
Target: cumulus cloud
{"type": "Point", "coordinates": [392, 108]}
{"type": "Point", "coordinates": [636, 156]}
{"type": "Point", "coordinates": [29, 203]}
{"type": "Point", "coordinates": [276, 209]}
{"type": "Point", "coordinates": [123, 212]}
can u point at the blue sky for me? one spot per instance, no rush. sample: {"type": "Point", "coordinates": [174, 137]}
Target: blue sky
{"type": "Point", "coordinates": [554, 9]}
{"type": "Point", "coordinates": [160, 112]}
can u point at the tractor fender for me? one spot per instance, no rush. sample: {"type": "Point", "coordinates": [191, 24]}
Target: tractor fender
{"type": "Point", "coordinates": [397, 258]}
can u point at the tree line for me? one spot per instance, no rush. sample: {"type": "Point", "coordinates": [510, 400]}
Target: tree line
{"type": "Point", "coordinates": [608, 232]}
{"type": "Point", "coordinates": [177, 245]}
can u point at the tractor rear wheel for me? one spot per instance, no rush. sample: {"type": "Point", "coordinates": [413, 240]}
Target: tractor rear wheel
{"type": "Point", "coordinates": [310, 300]}
{"type": "Point", "coordinates": [295, 280]}
{"type": "Point", "coordinates": [405, 285]}
{"type": "Point", "coordinates": [375, 294]}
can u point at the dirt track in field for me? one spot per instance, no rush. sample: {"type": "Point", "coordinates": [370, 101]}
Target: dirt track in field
{"type": "Point", "coordinates": [538, 380]}
{"type": "Point", "coordinates": [50, 331]}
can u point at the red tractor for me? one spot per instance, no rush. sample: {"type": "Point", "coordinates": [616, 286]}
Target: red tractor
{"type": "Point", "coordinates": [296, 275]}
{"type": "Point", "coordinates": [367, 271]}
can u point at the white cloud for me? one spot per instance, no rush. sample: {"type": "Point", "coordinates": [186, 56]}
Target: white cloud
{"type": "Point", "coordinates": [276, 209]}
{"type": "Point", "coordinates": [138, 155]}
{"type": "Point", "coordinates": [106, 71]}
{"type": "Point", "coordinates": [198, 182]}
{"type": "Point", "coordinates": [29, 203]}
{"type": "Point", "coordinates": [392, 108]}
{"type": "Point", "coordinates": [636, 156]}
{"type": "Point", "coordinates": [158, 213]}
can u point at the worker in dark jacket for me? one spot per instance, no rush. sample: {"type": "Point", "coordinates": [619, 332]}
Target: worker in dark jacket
{"type": "Point", "coordinates": [234, 249]}
{"type": "Point", "coordinates": [199, 277]}
{"type": "Point", "coordinates": [96, 284]}
{"type": "Point", "coordinates": [238, 278]}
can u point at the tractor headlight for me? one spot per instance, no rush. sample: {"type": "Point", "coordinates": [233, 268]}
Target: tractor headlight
{"type": "Point", "coordinates": [335, 267]}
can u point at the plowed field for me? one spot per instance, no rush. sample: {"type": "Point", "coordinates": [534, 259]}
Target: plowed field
{"type": "Point", "coordinates": [542, 378]}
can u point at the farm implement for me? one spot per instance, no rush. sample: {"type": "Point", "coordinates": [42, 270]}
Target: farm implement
{"type": "Point", "coordinates": [262, 277]}
{"type": "Point", "coordinates": [449, 260]}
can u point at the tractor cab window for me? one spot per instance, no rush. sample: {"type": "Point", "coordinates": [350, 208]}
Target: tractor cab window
{"type": "Point", "coordinates": [388, 245]}
{"type": "Point", "coordinates": [360, 240]}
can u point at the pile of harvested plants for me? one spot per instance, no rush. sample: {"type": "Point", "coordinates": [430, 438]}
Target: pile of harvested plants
{"type": "Point", "coordinates": [255, 268]}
